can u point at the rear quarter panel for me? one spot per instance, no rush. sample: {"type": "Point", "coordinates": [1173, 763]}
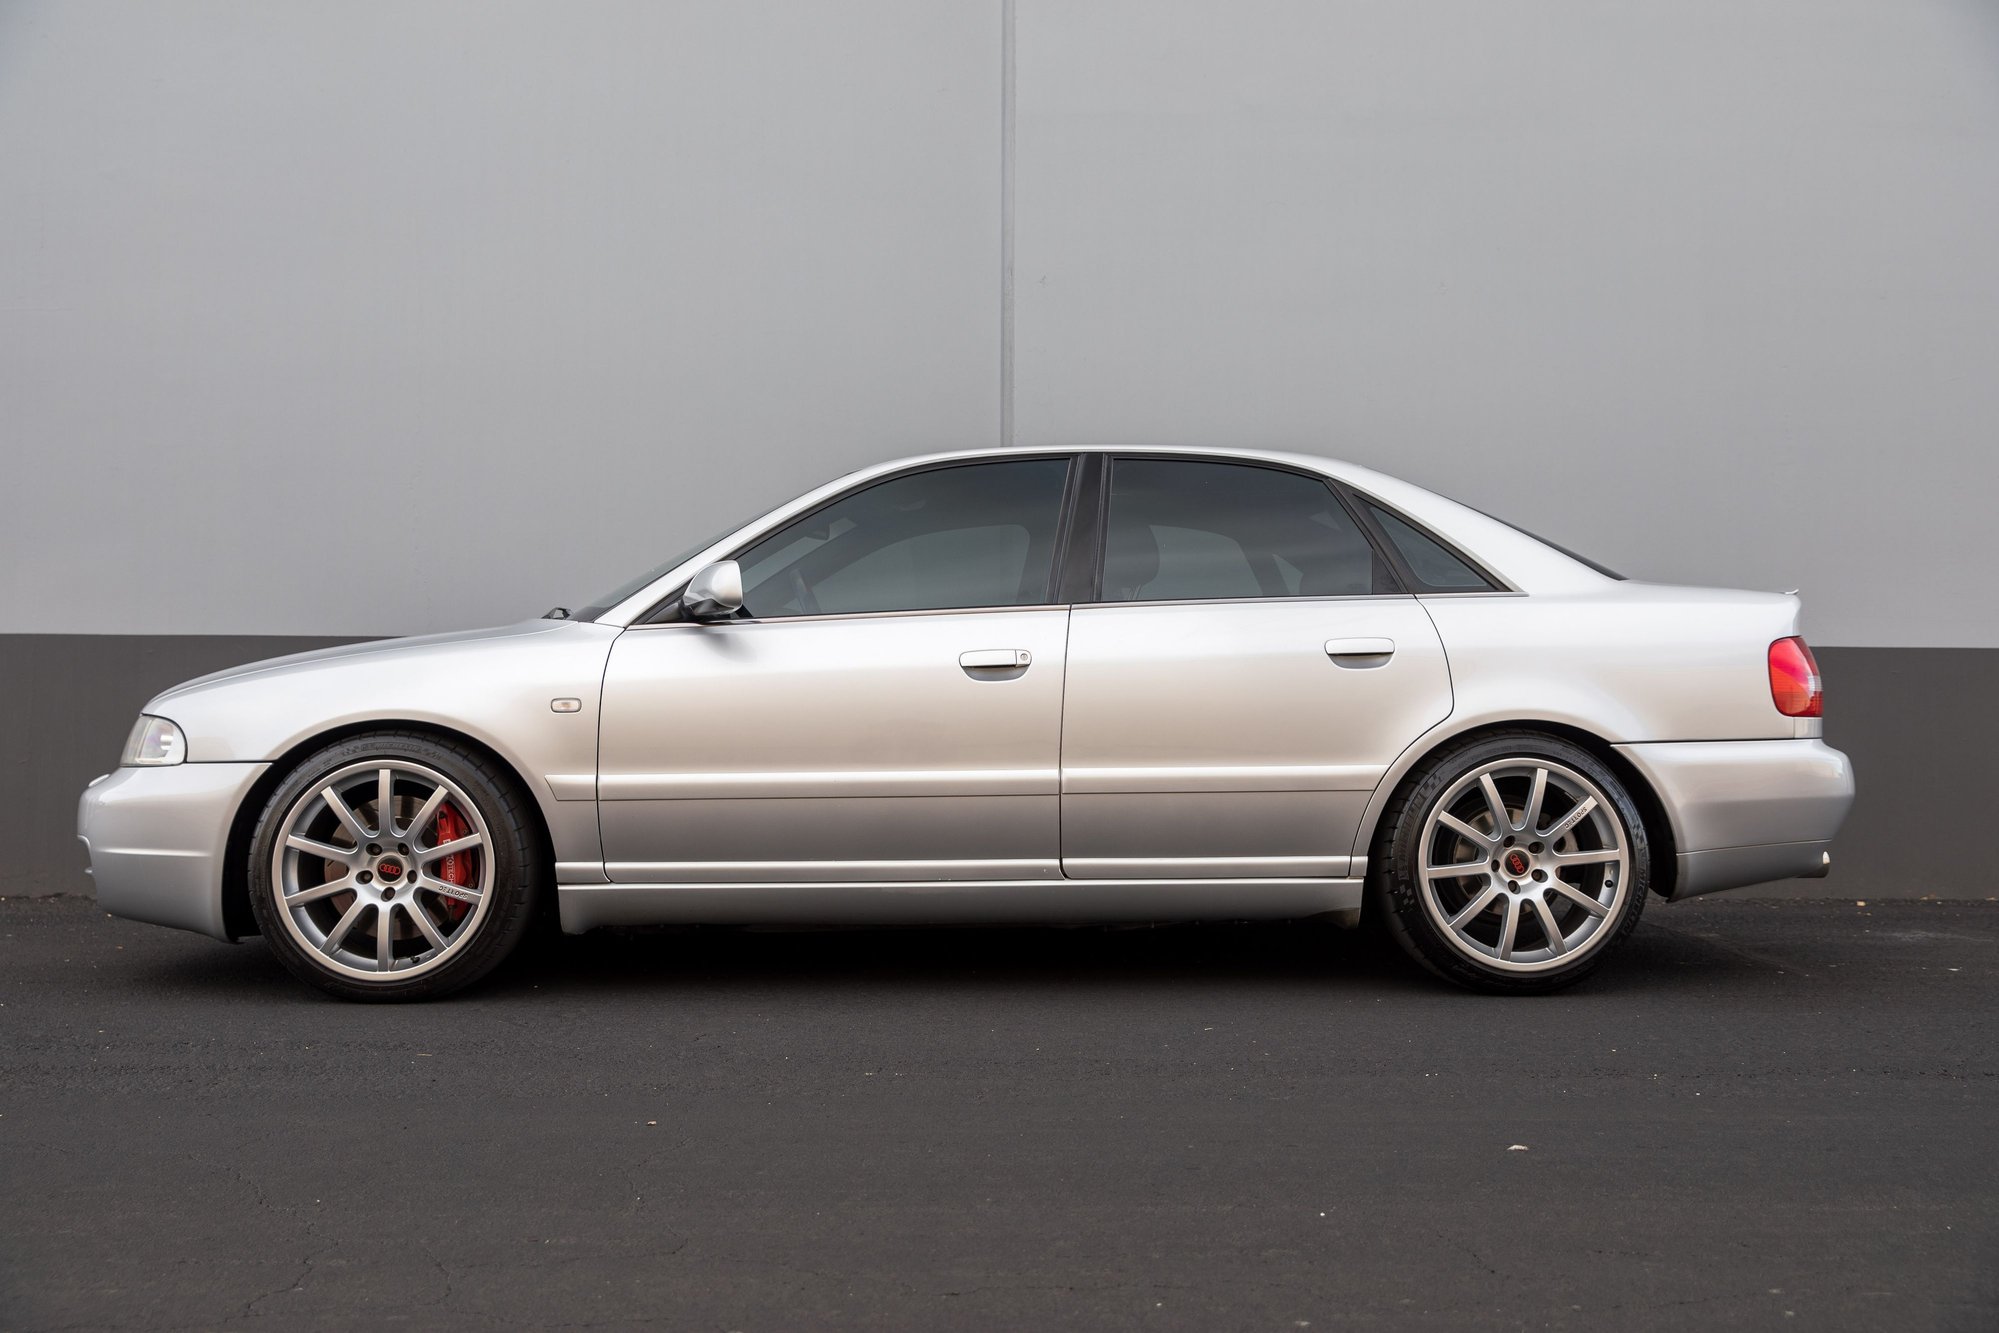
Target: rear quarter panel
{"type": "Point", "coordinates": [1635, 662]}
{"type": "Point", "coordinates": [1626, 662]}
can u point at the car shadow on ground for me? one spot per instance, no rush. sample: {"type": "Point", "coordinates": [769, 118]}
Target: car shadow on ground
{"type": "Point", "coordinates": [1663, 955]}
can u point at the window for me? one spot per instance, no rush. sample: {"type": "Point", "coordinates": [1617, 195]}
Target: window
{"type": "Point", "coordinates": [980, 534]}
{"type": "Point", "coordinates": [1181, 530]}
{"type": "Point", "coordinates": [1434, 564]}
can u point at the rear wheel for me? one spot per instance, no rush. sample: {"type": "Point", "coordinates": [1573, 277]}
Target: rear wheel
{"type": "Point", "coordinates": [1513, 863]}
{"type": "Point", "coordinates": [394, 866]}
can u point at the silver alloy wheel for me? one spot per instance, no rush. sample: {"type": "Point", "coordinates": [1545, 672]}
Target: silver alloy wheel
{"type": "Point", "coordinates": [1523, 865]}
{"type": "Point", "coordinates": [364, 882]}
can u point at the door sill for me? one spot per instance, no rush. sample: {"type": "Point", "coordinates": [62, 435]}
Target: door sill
{"type": "Point", "coordinates": [961, 902]}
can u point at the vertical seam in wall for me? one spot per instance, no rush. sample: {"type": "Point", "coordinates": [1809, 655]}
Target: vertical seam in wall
{"type": "Point", "coordinates": [1006, 223]}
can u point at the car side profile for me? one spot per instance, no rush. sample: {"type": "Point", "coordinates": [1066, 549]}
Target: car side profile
{"type": "Point", "coordinates": [1060, 685]}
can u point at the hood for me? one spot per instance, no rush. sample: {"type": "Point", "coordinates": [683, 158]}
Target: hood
{"type": "Point", "coordinates": [370, 648]}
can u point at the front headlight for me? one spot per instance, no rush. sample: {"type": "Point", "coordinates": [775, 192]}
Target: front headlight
{"type": "Point", "coordinates": [154, 742]}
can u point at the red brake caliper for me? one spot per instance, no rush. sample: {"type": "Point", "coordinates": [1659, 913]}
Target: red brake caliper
{"type": "Point", "coordinates": [457, 867]}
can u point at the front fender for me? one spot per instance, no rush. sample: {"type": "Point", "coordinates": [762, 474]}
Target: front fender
{"type": "Point", "coordinates": [496, 689]}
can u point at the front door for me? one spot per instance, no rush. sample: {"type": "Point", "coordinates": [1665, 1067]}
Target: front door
{"type": "Point", "coordinates": [888, 708]}
{"type": "Point", "coordinates": [1248, 674]}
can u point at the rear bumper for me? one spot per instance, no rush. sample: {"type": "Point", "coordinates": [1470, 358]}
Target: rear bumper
{"type": "Point", "coordinates": [1746, 812]}
{"type": "Point", "coordinates": [156, 838]}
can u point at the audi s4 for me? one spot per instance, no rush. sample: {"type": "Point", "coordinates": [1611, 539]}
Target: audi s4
{"type": "Point", "coordinates": [1059, 685]}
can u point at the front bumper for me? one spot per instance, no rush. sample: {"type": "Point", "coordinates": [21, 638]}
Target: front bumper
{"type": "Point", "coordinates": [1746, 812]}
{"type": "Point", "coordinates": [156, 838]}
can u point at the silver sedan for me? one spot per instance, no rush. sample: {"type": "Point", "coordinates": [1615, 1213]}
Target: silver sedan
{"type": "Point", "coordinates": [1022, 685]}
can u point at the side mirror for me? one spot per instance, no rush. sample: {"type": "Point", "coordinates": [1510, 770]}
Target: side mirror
{"type": "Point", "coordinates": [715, 592]}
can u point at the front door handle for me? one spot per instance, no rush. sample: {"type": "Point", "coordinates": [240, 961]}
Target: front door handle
{"type": "Point", "coordinates": [1360, 652]}
{"type": "Point", "coordinates": [995, 659]}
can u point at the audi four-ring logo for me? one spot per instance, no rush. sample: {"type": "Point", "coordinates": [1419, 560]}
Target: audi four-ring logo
{"type": "Point", "coordinates": [1516, 863]}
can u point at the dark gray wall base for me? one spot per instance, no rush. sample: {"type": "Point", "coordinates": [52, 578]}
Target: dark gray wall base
{"type": "Point", "coordinates": [76, 696]}
{"type": "Point", "coordinates": [1924, 736]}
{"type": "Point", "coordinates": [1922, 741]}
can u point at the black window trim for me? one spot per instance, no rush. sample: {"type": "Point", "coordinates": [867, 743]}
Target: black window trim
{"type": "Point", "coordinates": [1082, 563]}
{"type": "Point", "coordinates": [1107, 462]}
{"type": "Point", "coordinates": [666, 611]}
{"type": "Point", "coordinates": [1358, 502]}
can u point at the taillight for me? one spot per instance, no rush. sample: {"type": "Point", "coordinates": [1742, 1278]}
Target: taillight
{"type": "Point", "coordinates": [1795, 685]}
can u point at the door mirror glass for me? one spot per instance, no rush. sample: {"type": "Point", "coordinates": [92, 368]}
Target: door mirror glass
{"type": "Point", "coordinates": [715, 593]}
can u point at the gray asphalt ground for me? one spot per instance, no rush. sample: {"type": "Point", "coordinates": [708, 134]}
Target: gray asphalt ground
{"type": "Point", "coordinates": [1761, 1115]}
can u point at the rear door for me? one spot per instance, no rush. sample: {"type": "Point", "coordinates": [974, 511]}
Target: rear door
{"type": "Point", "coordinates": [888, 708]}
{"type": "Point", "coordinates": [1249, 669]}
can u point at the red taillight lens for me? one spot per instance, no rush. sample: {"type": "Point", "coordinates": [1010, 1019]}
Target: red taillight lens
{"type": "Point", "coordinates": [1795, 685]}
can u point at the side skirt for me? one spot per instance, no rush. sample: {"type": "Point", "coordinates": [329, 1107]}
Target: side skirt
{"type": "Point", "coordinates": [987, 902]}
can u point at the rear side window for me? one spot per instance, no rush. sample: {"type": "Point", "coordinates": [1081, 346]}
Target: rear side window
{"type": "Point", "coordinates": [1182, 530]}
{"type": "Point", "coordinates": [1435, 565]}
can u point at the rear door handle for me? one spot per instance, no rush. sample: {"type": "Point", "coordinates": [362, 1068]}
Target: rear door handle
{"type": "Point", "coordinates": [1360, 652]}
{"type": "Point", "coordinates": [995, 659]}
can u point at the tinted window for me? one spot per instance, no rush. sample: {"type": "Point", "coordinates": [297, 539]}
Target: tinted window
{"type": "Point", "coordinates": [1428, 559]}
{"type": "Point", "coordinates": [978, 535]}
{"type": "Point", "coordinates": [1180, 530]}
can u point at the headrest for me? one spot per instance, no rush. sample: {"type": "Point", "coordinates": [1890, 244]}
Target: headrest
{"type": "Point", "coordinates": [1131, 560]}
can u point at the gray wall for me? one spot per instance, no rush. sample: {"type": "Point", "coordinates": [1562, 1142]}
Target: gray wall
{"type": "Point", "coordinates": [346, 319]}
{"type": "Point", "coordinates": [1707, 289]}
{"type": "Point", "coordinates": [367, 318]}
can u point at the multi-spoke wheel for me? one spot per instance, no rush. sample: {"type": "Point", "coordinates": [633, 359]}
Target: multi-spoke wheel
{"type": "Point", "coordinates": [1512, 863]}
{"type": "Point", "coordinates": [393, 866]}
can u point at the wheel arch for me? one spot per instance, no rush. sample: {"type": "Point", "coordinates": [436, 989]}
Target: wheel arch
{"type": "Point", "coordinates": [1659, 834]}
{"type": "Point", "coordinates": [237, 918]}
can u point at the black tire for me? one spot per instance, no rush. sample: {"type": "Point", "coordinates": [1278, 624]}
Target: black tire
{"type": "Point", "coordinates": [492, 929]}
{"type": "Point", "coordinates": [1395, 872]}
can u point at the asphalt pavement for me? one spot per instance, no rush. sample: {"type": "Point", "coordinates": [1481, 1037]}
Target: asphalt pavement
{"type": "Point", "coordinates": [1759, 1115]}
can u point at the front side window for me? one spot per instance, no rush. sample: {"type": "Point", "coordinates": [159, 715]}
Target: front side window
{"type": "Point", "coordinates": [1179, 530]}
{"type": "Point", "coordinates": [973, 535]}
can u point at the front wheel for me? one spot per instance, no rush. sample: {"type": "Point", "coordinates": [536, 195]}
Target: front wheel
{"type": "Point", "coordinates": [1512, 863]}
{"type": "Point", "coordinates": [394, 866]}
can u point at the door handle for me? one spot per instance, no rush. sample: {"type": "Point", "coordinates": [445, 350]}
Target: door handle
{"type": "Point", "coordinates": [1360, 652]}
{"type": "Point", "coordinates": [995, 659]}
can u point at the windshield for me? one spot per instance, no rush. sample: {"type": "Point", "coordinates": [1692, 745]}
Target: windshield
{"type": "Point", "coordinates": [599, 605]}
